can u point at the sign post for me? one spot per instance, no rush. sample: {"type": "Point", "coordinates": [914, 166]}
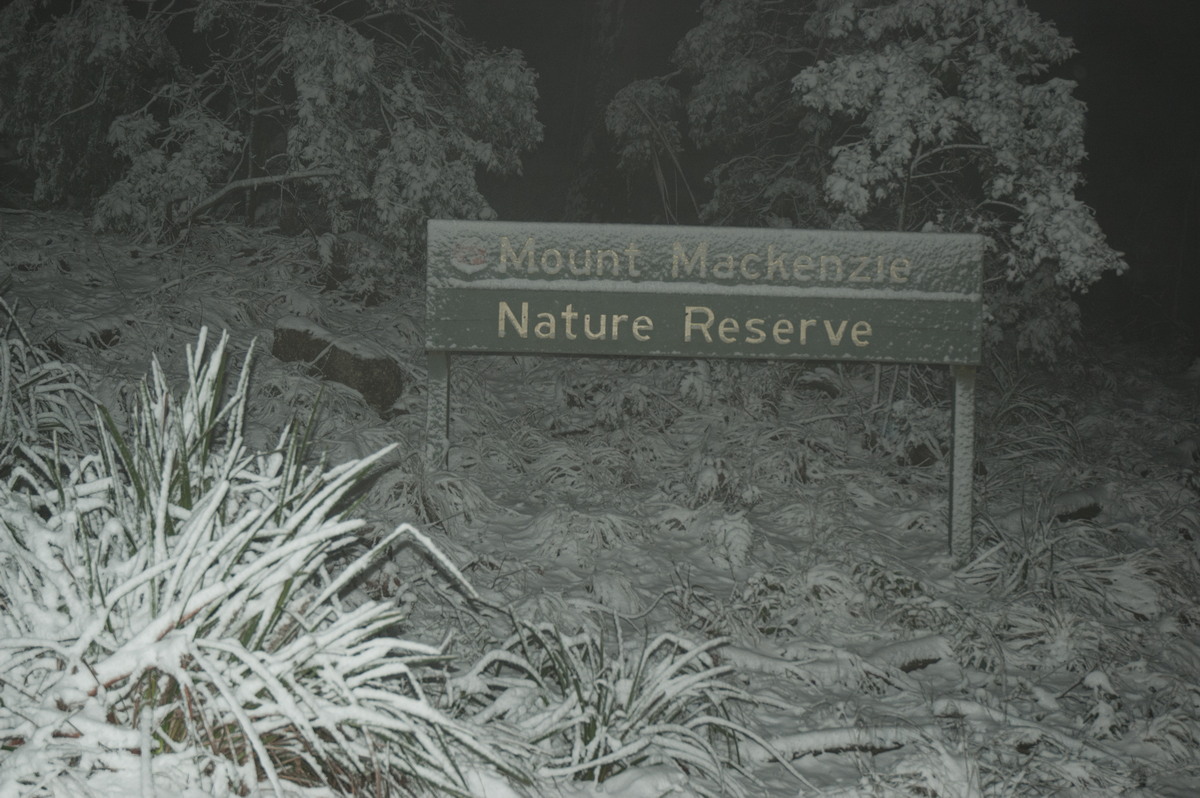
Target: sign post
{"type": "Point", "coordinates": [701, 292]}
{"type": "Point", "coordinates": [437, 408]}
{"type": "Point", "coordinates": [962, 461]}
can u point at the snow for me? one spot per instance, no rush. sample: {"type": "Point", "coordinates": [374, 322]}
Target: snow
{"type": "Point", "coordinates": [353, 344]}
{"type": "Point", "coordinates": [728, 503]}
{"type": "Point", "coordinates": [683, 288]}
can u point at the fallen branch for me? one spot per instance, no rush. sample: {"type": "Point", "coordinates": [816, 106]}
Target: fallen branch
{"type": "Point", "coordinates": [979, 713]}
{"type": "Point", "coordinates": [249, 183]}
{"type": "Point", "coordinates": [869, 739]}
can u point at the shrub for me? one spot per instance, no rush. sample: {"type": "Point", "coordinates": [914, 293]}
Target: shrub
{"type": "Point", "coordinates": [173, 611]}
{"type": "Point", "coordinates": [41, 398]}
{"type": "Point", "coordinates": [934, 115]}
{"type": "Point", "coordinates": [594, 711]}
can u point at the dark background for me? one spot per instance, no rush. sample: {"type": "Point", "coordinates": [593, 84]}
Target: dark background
{"type": "Point", "coordinates": [1135, 69]}
{"type": "Point", "coordinates": [1137, 72]}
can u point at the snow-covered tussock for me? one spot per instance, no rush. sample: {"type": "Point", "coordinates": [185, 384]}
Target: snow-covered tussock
{"type": "Point", "coordinates": [175, 594]}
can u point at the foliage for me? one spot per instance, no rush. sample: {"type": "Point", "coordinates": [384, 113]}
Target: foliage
{"type": "Point", "coordinates": [732, 100]}
{"type": "Point", "coordinates": [643, 119]}
{"type": "Point", "coordinates": [174, 596]}
{"type": "Point", "coordinates": [64, 80]}
{"type": "Point", "coordinates": [594, 713]}
{"type": "Point", "coordinates": [379, 112]}
{"type": "Point", "coordinates": [932, 115]}
{"type": "Point", "coordinates": [957, 125]}
{"type": "Point", "coordinates": [41, 398]}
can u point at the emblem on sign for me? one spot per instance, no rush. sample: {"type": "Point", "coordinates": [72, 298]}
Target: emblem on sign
{"type": "Point", "coordinates": [469, 256]}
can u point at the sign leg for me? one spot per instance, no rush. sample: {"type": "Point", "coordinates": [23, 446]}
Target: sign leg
{"type": "Point", "coordinates": [962, 463]}
{"type": "Point", "coordinates": [437, 410]}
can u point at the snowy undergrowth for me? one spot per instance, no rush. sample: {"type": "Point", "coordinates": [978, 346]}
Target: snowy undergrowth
{"type": "Point", "coordinates": [796, 511]}
{"type": "Point", "coordinates": [594, 709]}
{"type": "Point", "coordinates": [799, 512]}
{"type": "Point", "coordinates": [175, 616]}
{"type": "Point", "coordinates": [170, 611]}
{"type": "Point", "coordinates": [41, 398]}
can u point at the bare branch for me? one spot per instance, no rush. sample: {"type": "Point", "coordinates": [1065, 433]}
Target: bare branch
{"type": "Point", "coordinates": [252, 182]}
{"type": "Point", "coordinates": [924, 156]}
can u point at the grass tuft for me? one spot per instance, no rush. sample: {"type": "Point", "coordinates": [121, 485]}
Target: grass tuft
{"type": "Point", "coordinates": [173, 594]}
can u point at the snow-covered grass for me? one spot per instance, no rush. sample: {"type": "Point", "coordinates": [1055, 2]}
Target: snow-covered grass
{"type": "Point", "coordinates": [592, 711]}
{"type": "Point", "coordinates": [175, 594]}
{"type": "Point", "coordinates": [681, 573]}
{"type": "Point", "coordinates": [42, 400]}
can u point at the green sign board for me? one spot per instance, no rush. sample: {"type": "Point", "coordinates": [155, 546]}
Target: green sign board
{"type": "Point", "coordinates": [703, 292]}
{"type": "Point", "coordinates": [700, 292]}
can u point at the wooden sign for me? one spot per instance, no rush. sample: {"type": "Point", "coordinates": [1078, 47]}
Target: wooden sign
{"type": "Point", "coordinates": [700, 292]}
{"type": "Point", "coordinates": [703, 292]}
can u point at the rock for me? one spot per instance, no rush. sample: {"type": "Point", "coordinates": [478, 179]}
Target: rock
{"type": "Point", "coordinates": [350, 360]}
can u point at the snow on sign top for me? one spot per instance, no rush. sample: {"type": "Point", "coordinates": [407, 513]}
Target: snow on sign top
{"type": "Point", "coordinates": [630, 290]}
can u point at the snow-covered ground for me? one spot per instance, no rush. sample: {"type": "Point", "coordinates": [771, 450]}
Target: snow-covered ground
{"type": "Point", "coordinates": [779, 527]}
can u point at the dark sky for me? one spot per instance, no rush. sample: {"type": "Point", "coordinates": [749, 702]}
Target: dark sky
{"type": "Point", "coordinates": [1138, 73]}
{"type": "Point", "coordinates": [1135, 70]}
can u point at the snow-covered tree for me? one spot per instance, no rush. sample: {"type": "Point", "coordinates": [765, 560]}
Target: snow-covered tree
{"type": "Point", "coordinates": [378, 113]}
{"type": "Point", "coordinates": [900, 115]}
